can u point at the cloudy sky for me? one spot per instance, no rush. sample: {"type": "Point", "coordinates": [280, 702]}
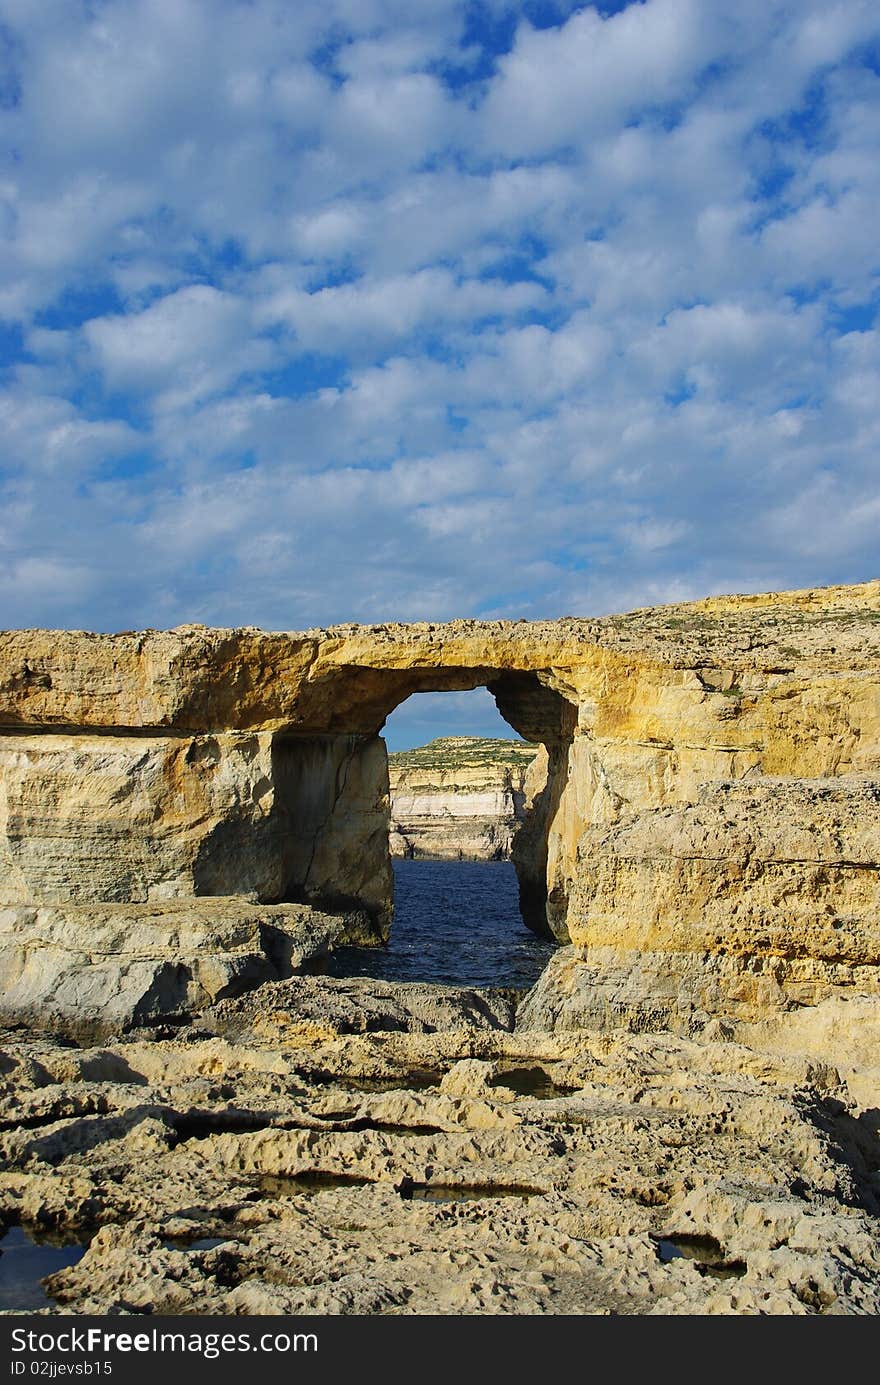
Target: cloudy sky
{"type": "Point", "coordinates": [371, 309]}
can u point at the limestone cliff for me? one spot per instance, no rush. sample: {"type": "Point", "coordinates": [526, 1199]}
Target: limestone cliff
{"type": "Point", "coordinates": [701, 823]}
{"type": "Point", "coordinates": [458, 798]}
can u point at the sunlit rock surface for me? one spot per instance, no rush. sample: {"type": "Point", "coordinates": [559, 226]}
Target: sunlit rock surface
{"type": "Point", "coordinates": [335, 1147]}
{"type": "Point", "coordinates": [700, 823]}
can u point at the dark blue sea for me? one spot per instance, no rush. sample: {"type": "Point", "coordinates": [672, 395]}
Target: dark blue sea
{"type": "Point", "coordinates": [24, 1260]}
{"type": "Point", "coordinates": [456, 922]}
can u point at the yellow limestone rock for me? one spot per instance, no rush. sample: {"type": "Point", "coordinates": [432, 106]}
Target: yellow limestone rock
{"type": "Point", "coordinates": [678, 830]}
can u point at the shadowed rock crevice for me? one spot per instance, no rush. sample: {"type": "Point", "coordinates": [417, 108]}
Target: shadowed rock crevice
{"type": "Point", "coordinates": [333, 791]}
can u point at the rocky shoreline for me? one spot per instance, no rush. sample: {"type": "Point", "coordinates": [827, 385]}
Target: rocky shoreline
{"type": "Point", "coordinates": [682, 1116]}
{"type": "Point", "coordinates": [325, 1146]}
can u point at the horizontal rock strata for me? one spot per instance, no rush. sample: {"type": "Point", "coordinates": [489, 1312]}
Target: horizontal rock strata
{"type": "Point", "coordinates": [458, 798]}
{"type": "Point", "coordinates": [138, 818]}
{"type": "Point", "coordinates": [700, 822]}
{"type": "Point", "coordinates": [761, 895]}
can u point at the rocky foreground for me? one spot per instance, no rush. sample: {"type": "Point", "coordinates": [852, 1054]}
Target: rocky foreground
{"type": "Point", "coordinates": [329, 1147]}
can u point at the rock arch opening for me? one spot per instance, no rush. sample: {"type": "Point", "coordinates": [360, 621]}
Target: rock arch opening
{"type": "Point", "coordinates": [458, 777]}
{"type": "Point", "coordinates": [334, 792]}
{"type": "Point", "coordinates": [459, 790]}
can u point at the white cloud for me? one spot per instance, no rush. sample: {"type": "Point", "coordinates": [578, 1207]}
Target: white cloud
{"type": "Point", "coordinates": [379, 313]}
{"type": "Point", "coordinates": [560, 84]}
{"type": "Point", "coordinates": [392, 120]}
{"type": "Point", "coordinates": [187, 346]}
{"type": "Point", "coordinates": [32, 583]}
{"type": "Point", "coordinates": [826, 240]}
{"type": "Point", "coordinates": [826, 34]}
{"type": "Point", "coordinates": [726, 348]}
{"type": "Point", "coordinates": [308, 332]}
{"type": "Point", "coordinates": [41, 434]}
{"type": "Point", "coordinates": [535, 365]}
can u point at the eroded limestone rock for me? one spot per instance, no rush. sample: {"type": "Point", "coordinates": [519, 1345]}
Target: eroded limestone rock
{"type": "Point", "coordinates": [762, 895]}
{"type": "Point", "coordinates": [360, 1005]}
{"type": "Point", "coordinates": [306, 1167]}
{"type": "Point", "coordinates": [100, 969]}
{"type": "Point", "coordinates": [138, 767]}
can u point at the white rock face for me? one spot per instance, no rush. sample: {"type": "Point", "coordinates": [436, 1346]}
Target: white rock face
{"type": "Point", "coordinates": [467, 826]}
{"type": "Point", "coordinates": [458, 798]}
{"type": "Point", "coordinates": [498, 804]}
{"type": "Point", "coordinates": [101, 968]}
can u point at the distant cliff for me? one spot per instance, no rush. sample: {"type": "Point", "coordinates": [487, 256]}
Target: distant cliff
{"type": "Point", "coordinates": [458, 798]}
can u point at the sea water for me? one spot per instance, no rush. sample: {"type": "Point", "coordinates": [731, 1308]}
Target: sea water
{"type": "Point", "coordinates": [26, 1256]}
{"type": "Point", "coordinates": [456, 922]}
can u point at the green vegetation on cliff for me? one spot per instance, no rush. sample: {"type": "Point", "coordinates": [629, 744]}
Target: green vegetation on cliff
{"type": "Point", "coordinates": [464, 752]}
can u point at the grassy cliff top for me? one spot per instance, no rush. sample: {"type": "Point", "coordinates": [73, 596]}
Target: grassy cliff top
{"type": "Point", "coordinates": [464, 752]}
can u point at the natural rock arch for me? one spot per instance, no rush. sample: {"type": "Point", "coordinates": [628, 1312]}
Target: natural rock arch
{"type": "Point", "coordinates": [234, 763]}
{"type": "Point", "coordinates": [707, 835]}
{"type": "Point", "coordinates": [334, 792]}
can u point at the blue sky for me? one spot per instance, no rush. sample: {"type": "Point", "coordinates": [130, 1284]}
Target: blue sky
{"type": "Point", "coordinates": [367, 310]}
